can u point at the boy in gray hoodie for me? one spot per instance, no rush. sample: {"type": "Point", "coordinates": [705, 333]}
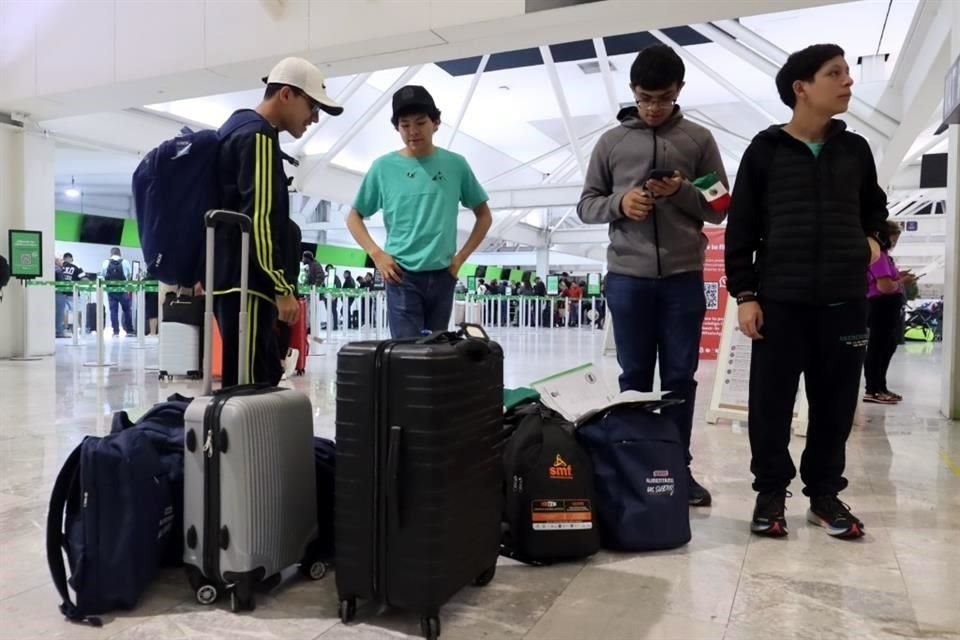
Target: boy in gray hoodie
{"type": "Point", "coordinates": [641, 181]}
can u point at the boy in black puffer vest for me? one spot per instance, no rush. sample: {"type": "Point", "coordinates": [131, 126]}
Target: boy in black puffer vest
{"type": "Point", "coordinates": [806, 220]}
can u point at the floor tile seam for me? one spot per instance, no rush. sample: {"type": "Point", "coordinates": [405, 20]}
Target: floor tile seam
{"type": "Point", "coordinates": [736, 591]}
{"type": "Point", "coordinates": [25, 590]}
{"type": "Point", "coordinates": [146, 620]}
{"type": "Point", "coordinates": [554, 603]}
{"type": "Point", "coordinates": [903, 579]}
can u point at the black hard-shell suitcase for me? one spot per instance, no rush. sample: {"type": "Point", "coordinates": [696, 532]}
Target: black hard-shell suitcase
{"type": "Point", "coordinates": [419, 488]}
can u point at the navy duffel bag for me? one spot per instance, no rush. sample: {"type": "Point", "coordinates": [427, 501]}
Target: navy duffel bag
{"type": "Point", "coordinates": [640, 479]}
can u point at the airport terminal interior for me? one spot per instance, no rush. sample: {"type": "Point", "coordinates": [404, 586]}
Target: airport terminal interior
{"type": "Point", "coordinates": [526, 89]}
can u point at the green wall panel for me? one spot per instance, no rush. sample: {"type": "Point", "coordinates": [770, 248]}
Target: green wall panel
{"type": "Point", "coordinates": [66, 226]}
{"type": "Point", "coordinates": [131, 234]}
{"type": "Point", "coordinates": [467, 270]}
{"type": "Point", "coordinates": [340, 256]}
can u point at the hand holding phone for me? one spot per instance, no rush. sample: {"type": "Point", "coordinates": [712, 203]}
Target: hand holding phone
{"type": "Point", "coordinates": [660, 174]}
{"type": "Point", "coordinates": [663, 183]}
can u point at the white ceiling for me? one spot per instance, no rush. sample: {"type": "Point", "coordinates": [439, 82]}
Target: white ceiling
{"type": "Point", "coordinates": [513, 116]}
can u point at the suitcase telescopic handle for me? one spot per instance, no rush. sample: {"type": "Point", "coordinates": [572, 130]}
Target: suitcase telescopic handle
{"type": "Point", "coordinates": [213, 219]}
{"type": "Point", "coordinates": [217, 217]}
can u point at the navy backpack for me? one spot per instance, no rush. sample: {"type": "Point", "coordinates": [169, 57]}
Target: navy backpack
{"type": "Point", "coordinates": [640, 478]}
{"type": "Point", "coordinates": [114, 510]}
{"type": "Point", "coordinates": [173, 187]}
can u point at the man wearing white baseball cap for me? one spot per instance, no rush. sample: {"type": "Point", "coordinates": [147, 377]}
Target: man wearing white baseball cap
{"type": "Point", "coordinates": [253, 181]}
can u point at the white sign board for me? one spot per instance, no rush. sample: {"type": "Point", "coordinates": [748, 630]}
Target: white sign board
{"type": "Point", "coordinates": [731, 386]}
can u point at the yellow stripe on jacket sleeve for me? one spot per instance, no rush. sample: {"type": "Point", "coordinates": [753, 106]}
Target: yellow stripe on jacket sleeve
{"type": "Point", "coordinates": [263, 205]}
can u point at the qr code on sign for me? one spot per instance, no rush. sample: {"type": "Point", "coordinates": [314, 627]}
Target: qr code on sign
{"type": "Point", "coordinates": [711, 291]}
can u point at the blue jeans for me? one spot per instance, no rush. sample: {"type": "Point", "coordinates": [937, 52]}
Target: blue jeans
{"type": "Point", "coordinates": [660, 316]}
{"type": "Point", "coordinates": [121, 300]}
{"type": "Point", "coordinates": [61, 309]}
{"type": "Point", "coordinates": [423, 301]}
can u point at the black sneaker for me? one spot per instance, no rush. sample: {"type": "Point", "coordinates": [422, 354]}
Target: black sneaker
{"type": "Point", "coordinates": [833, 515]}
{"type": "Point", "coordinates": [698, 496]}
{"type": "Point", "coordinates": [768, 515]}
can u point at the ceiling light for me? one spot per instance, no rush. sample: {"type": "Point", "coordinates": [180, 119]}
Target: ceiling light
{"type": "Point", "coordinates": [72, 191]}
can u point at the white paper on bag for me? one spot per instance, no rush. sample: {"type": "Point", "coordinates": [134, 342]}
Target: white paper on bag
{"type": "Point", "coordinates": [583, 391]}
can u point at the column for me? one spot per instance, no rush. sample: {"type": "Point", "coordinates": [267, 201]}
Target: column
{"type": "Point", "coordinates": [27, 165]}
{"type": "Point", "coordinates": [950, 380]}
{"type": "Point", "coordinates": [543, 262]}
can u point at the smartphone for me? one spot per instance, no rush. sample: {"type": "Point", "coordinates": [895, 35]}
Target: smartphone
{"type": "Point", "coordinates": [660, 174]}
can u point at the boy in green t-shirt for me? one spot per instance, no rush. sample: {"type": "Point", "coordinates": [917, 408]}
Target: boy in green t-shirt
{"type": "Point", "coordinates": [419, 189]}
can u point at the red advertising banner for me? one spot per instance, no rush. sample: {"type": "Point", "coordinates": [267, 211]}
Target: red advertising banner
{"type": "Point", "coordinates": [715, 291]}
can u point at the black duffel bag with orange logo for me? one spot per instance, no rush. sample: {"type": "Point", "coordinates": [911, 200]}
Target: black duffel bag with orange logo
{"type": "Point", "coordinates": [548, 513]}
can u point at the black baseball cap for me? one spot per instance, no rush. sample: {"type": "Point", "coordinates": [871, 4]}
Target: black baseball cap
{"type": "Point", "coordinates": [412, 96]}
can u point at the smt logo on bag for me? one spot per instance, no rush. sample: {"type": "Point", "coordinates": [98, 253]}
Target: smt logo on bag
{"type": "Point", "coordinates": [661, 483]}
{"type": "Point", "coordinates": [560, 469]}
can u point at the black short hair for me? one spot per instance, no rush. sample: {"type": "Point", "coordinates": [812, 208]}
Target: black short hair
{"type": "Point", "coordinates": [273, 89]}
{"type": "Point", "coordinates": [307, 255]}
{"type": "Point", "coordinates": [657, 67]}
{"type": "Point", "coordinates": [115, 251]}
{"type": "Point", "coordinates": [803, 65]}
{"type": "Point", "coordinates": [413, 110]}
{"type": "Point", "coordinates": [68, 255]}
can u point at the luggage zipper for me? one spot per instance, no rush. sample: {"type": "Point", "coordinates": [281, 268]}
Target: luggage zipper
{"type": "Point", "coordinates": [211, 490]}
{"type": "Point", "coordinates": [656, 229]}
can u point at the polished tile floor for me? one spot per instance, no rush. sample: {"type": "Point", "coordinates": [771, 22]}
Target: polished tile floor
{"type": "Point", "coordinates": [901, 581]}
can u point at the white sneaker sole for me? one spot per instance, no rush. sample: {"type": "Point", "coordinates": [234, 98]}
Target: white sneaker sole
{"type": "Point", "coordinates": [853, 531]}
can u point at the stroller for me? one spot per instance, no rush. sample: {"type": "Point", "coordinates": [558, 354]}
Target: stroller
{"type": "Point", "coordinates": [924, 323]}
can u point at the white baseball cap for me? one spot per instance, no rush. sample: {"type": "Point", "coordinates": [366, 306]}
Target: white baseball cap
{"type": "Point", "coordinates": [305, 76]}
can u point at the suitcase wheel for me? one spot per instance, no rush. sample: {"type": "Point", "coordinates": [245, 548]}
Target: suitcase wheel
{"type": "Point", "coordinates": [430, 627]}
{"type": "Point", "coordinates": [313, 569]}
{"type": "Point", "coordinates": [242, 603]}
{"type": "Point", "coordinates": [348, 610]}
{"type": "Point", "coordinates": [486, 577]}
{"type": "Point", "coordinates": [207, 594]}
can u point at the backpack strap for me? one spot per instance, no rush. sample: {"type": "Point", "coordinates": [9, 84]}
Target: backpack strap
{"type": "Point", "coordinates": [247, 116]}
{"type": "Point", "coordinates": [68, 476]}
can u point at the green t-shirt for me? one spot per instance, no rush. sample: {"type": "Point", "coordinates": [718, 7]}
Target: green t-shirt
{"type": "Point", "coordinates": [420, 199]}
{"type": "Point", "coordinates": [815, 147]}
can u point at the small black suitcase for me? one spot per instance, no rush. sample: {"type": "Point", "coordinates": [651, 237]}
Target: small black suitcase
{"type": "Point", "coordinates": [419, 485]}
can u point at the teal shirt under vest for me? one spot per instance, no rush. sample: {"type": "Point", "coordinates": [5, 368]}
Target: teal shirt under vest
{"type": "Point", "coordinates": [420, 199]}
{"type": "Point", "coordinates": [816, 147]}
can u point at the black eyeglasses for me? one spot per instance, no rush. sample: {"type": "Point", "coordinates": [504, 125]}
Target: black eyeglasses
{"type": "Point", "coordinates": [314, 105]}
{"type": "Point", "coordinates": [648, 102]}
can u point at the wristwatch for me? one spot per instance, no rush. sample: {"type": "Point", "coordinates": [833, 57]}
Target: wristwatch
{"type": "Point", "coordinates": [747, 296]}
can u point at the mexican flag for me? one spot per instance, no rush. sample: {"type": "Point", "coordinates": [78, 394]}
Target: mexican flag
{"type": "Point", "coordinates": [713, 190]}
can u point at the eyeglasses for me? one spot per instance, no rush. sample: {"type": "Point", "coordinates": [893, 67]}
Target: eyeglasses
{"type": "Point", "coordinates": [313, 104]}
{"type": "Point", "coordinates": [652, 103]}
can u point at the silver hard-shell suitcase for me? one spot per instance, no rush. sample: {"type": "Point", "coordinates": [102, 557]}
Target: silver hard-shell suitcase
{"type": "Point", "coordinates": [179, 350]}
{"type": "Point", "coordinates": [250, 507]}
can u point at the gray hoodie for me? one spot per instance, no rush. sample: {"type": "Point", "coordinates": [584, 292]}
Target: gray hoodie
{"type": "Point", "coordinates": [671, 240]}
